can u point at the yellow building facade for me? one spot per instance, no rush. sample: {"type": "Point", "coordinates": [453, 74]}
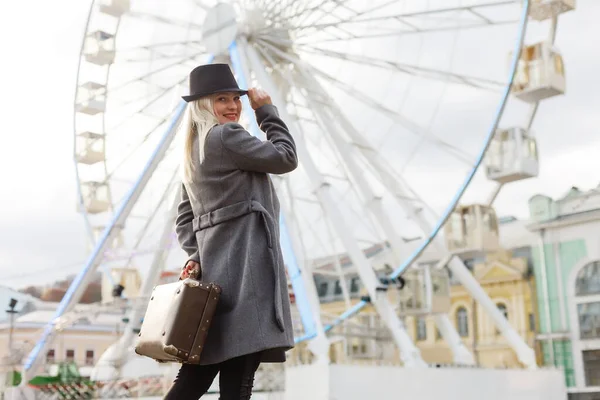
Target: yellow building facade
{"type": "Point", "coordinates": [505, 278]}
{"type": "Point", "coordinates": [511, 287]}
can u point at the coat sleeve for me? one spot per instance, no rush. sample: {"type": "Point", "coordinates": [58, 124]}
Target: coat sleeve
{"type": "Point", "coordinates": [276, 155]}
{"type": "Point", "coordinates": [183, 227]}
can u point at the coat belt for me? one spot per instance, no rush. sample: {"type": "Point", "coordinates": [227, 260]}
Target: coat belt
{"type": "Point", "coordinates": [237, 210]}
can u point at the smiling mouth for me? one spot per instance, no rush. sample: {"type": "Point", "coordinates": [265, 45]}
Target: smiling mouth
{"type": "Point", "coordinates": [230, 116]}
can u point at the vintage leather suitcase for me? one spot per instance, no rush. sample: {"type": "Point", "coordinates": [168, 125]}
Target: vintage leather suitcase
{"type": "Point", "coordinates": [177, 320]}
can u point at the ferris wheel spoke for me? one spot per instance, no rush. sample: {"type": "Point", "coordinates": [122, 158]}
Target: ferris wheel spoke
{"type": "Point", "coordinates": [400, 119]}
{"type": "Point", "coordinates": [327, 13]}
{"type": "Point", "coordinates": [160, 45]}
{"type": "Point", "coordinates": [158, 18]}
{"type": "Point", "coordinates": [138, 145]}
{"type": "Point", "coordinates": [155, 212]}
{"type": "Point", "coordinates": [295, 9]}
{"type": "Point", "coordinates": [153, 55]}
{"type": "Point", "coordinates": [394, 33]}
{"type": "Point", "coordinates": [473, 10]}
{"type": "Point", "coordinates": [158, 95]}
{"type": "Point", "coordinates": [147, 75]}
{"type": "Point", "coordinates": [377, 106]}
{"type": "Point", "coordinates": [429, 73]}
{"type": "Point", "coordinates": [357, 14]}
{"type": "Point", "coordinates": [272, 9]}
{"type": "Point", "coordinates": [201, 4]}
{"type": "Point", "coordinates": [354, 187]}
{"type": "Point", "coordinates": [307, 11]}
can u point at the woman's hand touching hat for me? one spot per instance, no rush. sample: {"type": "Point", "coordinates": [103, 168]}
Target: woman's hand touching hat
{"type": "Point", "coordinates": [258, 98]}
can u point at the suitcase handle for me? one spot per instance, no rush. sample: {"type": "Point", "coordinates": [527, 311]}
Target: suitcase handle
{"type": "Point", "coordinates": [196, 273]}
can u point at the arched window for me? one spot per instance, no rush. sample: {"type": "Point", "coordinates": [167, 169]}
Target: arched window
{"type": "Point", "coordinates": [588, 280]}
{"type": "Point", "coordinates": [502, 308]}
{"type": "Point", "coordinates": [462, 322]}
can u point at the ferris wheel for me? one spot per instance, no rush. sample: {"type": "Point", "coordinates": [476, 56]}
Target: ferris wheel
{"type": "Point", "coordinates": [394, 107]}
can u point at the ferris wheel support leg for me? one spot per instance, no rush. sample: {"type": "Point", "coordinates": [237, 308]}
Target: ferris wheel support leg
{"type": "Point", "coordinates": [303, 284]}
{"type": "Point", "coordinates": [525, 354]}
{"type": "Point", "coordinates": [409, 352]}
{"type": "Point", "coordinates": [395, 185]}
{"type": "Point", "coordinates": [372, 202]}
{"type": "Point", "coordinates": [460, 352]}
{"type": "Point", "coordinates": [80, 282]}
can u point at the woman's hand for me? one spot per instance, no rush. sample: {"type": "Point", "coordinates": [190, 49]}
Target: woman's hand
{"type": "Point", "coordinates": [191, 269]}
{"type": "Point", "coordinates": [258, 98]}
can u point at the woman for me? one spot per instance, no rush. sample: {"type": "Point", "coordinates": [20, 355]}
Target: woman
{"type": "Point", "coordinates": [228, 224]}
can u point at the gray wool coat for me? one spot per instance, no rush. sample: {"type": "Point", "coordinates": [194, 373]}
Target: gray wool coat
{"type": "Point", "coordinates": [228, 222]}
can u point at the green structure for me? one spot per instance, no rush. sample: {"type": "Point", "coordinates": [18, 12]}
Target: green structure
{"type": "Point", "coordinates": [566, 258]}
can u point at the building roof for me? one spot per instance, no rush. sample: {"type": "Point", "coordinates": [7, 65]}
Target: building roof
{"type": "Point", "coordinates": [515, 234]}
{"type": "Point", "coordinates": [89, 318]}
{"type": "Point", "coordinates": [6, 294]}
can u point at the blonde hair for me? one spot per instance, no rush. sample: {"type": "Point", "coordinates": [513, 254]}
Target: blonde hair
{"type": "Point", "coordinates": [199, 118]}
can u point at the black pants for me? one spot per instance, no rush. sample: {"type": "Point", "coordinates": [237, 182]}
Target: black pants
{"type": "Point", "coordinates": [235, 379]}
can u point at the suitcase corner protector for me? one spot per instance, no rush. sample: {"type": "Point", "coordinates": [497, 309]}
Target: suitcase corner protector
{"type": "Point", "coordinates": [171, 350]}
{"type": "Point", "coordinates": [191, 282]}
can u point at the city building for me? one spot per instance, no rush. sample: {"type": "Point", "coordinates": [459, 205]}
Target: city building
{"type": "Point", "coordinates": [506, 276]}
{"type": "Point", "coordinates": [567, 269]}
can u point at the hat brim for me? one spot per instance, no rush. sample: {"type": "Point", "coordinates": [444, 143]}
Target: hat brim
{"type": "Point", "coordinates": [197, 96]}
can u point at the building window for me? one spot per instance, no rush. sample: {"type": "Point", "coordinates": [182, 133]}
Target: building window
{"type": "Point", "coordinates": [588, 280]}
{"type": "Point", "coordinates": [502, 308]}
{"type": "Point", "coordinates": [462, 322]}
{"type": "Point", "coordinates": [338, 288]}
{"type": "Point", "coordinates": [70, 356]}
{"type": "Point", "coordinates": [421, 329]}
{"type": "Point", "coordinates": [89, 357]}
{"type": "Point", "coordinates": [532, 322]}
{"type": "Point", "coordinates": [50, 357]}
{"type": "Point", "coordinates": [354, 285]}
{"type": "Point", "coordinates": [591, 366]}
{"type": "Point", "coordinates": [589, 320]}
{"type": "Point", "coordinates": [323, 288]}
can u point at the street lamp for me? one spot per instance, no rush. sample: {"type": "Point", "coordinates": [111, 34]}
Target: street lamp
{"type": "Point", "coordinates": [11, 317]}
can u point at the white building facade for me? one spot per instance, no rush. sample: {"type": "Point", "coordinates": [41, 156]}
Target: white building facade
{"type": "Point", "coordinates": [567, 268]}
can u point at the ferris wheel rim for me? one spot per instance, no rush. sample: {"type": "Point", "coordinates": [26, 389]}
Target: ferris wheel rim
{"type": "Point", "coordinates": [491, 131]}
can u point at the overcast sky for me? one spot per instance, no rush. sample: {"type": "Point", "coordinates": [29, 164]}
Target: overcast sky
{"type": "Point", "coordinates": [41, 235]}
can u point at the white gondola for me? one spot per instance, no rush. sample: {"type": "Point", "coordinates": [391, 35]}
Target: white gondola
{"type": "Point", "coordinates": [116, 8]}
{"type": "Point", "coordinates": [426, 291]}
{"type": "Point", "coordinates": [99, 48]}
{"type": "Point", "coordinates": [545, 9]}
{"type": "Point", "coordinates": [90, 148]}
{"type": "Point", "coordinates": [129, 278]}
{"type": "Point", "coordinates": [540, 74]}
{"type": "Point", "coordinates": [512, 156]}
{"type": "Point", "coordinates": [91, 98]}
{"type": "Point", "coordinates": [472, 230]}
{"type": "Point", "coordinates": [95, 197]}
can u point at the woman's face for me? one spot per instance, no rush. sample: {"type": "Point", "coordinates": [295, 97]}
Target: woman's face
{"type": "Point", "coordinates": [227, 107]}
